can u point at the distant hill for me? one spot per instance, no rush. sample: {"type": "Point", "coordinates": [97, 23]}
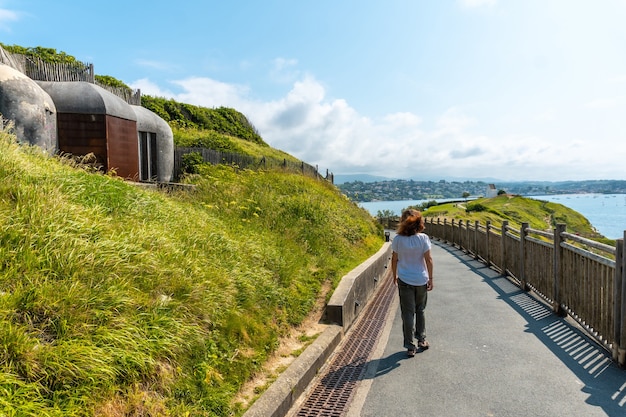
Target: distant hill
{"type": "Point", "coordinates": [343, 178]}
{"type": "Point", "coordinates": [396, 190]}
{"type": "Point", "coordinates": [541, 215]}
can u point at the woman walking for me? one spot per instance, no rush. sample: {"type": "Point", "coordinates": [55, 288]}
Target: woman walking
{"type": "Point", "coordinates": [412, 269]}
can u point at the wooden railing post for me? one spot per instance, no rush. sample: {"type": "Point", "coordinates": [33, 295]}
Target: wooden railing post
{"type": "Point", "coordinates": [558, 270]}
{"type": "Point", "coordinates": [505, 224]}
{"type": "Point", "coordinates": [468, 241]}
{"type": "Point", "coordinates": [622, 316]}
{"type": "Point", "coordinates": [439, 228]}
{"type": "Point", "coordinates": [452, 234]}
{"type": "Point", "coordinates": [619, 335]}
{"type": "Point", "coordinates": [522, 256]}
{"type": "Point", "coordinates": [488, 250]}
{"type": "Point", "coordinates": [476, 229]}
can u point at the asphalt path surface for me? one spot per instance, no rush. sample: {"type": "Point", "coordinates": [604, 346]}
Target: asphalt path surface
{"type": "Point", "coordinates": [494, 351]}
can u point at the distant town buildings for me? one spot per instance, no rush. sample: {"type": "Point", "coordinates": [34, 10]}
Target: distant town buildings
{"type": "Point", "coordinates": [397, 190]}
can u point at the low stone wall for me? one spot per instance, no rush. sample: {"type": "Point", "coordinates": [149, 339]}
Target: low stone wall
{"type": "Point", "coordinates": [355, 288]}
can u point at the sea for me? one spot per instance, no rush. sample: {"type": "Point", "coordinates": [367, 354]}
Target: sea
{"type": "Point", "coordinates": [606, 212]}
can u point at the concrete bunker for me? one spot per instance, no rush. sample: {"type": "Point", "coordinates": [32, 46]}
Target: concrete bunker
{"type": "Point", "coordinates": [31, 109]}
{"type": "Point", "coordinates": [93, 120]}
{"type": "Point", "coordinates": [156, 146]}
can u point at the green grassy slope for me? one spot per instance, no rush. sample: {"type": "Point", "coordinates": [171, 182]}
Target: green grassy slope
{"type": "Point", "coordinates": [541, 215]}
{"type": "Point", "coordinates": [122, 301]}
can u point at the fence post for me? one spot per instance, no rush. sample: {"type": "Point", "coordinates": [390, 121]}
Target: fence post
{"type": "Point", "coordinates": [487, 251]}
{"type": "Point", "coordinates": [438, 228]}
{"type": "Point", "coordinates": [468, 238]}
{"type": "Point", "coordinates": [522, 255]}
{"type": "Point", "coordinates": [505, 224]}
{"type": "Point", "coordinates": [452, 234]}
{"type": "Point", "coordinates": [618, 326]}
{"type": "Point", "coordinates": [558, 270]}
{"type": "Point", "coordinates": [476, 229]}
{"type": "Point", "coordinates": [622, 316]}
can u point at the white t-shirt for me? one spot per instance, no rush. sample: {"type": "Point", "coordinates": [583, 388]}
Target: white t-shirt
{"type": "Point", "coordinates": [411, 265]}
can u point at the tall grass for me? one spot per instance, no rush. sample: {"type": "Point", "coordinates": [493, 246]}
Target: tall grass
{"type": "Point", "coordinates": [121, 301]}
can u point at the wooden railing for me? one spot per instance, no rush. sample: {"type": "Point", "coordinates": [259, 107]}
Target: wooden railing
{"type": "Point", "coordinates": [576, 276]}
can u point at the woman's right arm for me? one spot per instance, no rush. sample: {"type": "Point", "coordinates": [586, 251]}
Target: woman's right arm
{"type": "Point", "coordinates": [394, 267]}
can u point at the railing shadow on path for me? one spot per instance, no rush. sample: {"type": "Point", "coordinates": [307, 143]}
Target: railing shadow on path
{"type": "Point", "coordinates": [592, 364]}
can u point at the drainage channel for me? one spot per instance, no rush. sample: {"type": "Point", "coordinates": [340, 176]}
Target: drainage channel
{"type": "Point", "coordinates": [331, 395]}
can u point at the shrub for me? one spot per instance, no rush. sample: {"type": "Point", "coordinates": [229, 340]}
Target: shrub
{"type": "Point", "coordinates": [477, 207]}
{"type": "Point", "coordinates": [191, 162]}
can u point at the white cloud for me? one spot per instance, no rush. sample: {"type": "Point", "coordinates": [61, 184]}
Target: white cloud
{"type": "Point", "coordinates": [331, 134]}
{"type": "Point", "coordinates": [454, 121]}
{"type": "Point", "coordinates": [211, 93]}
{"type": "Point", "coordinates": [148, 87]}
{"type": "Point", "coordinates": [200, 91]}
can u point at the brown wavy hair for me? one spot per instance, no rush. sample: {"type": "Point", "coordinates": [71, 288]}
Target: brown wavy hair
{"type": "Point", "coordinates": [411, 223]}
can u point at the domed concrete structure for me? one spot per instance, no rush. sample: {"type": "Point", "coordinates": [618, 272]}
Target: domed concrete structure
{"type": "Point", "coordinates": [156, 146]}
{"type": "Point", "coordinates": [30, 107]}
{"type": "Point", "coordinates": [93, 120]}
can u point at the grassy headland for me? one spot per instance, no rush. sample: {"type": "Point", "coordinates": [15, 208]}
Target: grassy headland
{"type": "Point", "coordinates": [122, 301]}
{"type": "Point", "coordinates": [541, 215]}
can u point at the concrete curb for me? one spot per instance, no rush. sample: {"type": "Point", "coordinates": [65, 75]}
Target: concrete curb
{"type": "Point", "coordinates": [356, 287]}
{"type": "Point", "coordinates": [281, 395]}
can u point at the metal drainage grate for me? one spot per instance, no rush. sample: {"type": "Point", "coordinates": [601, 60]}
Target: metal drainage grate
{"type": "Point", "coordinates": [331, 395]}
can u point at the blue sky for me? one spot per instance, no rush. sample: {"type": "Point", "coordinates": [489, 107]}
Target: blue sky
{"type": "Point", "coordinates": [428, 89]}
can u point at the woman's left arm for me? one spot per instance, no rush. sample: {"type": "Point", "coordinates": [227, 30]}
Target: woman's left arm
{"type": "Point", "coordinates": [394, 267]}
{"type": "Point", "coordinates": [429, 267]}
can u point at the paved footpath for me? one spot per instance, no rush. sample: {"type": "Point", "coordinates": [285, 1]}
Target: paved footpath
{"type": "Point", "coordinates": [495, 351]}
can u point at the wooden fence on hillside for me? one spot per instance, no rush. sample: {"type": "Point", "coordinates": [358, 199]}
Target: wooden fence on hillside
{"type": "Point", "coordinates": [576, 276]}
{"type": "Point", "coordinates": [39, 70]}
{"type": "Point", "coordinates": [130, 96]}
{"type": "Point", "coordinates": [245, 162]}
